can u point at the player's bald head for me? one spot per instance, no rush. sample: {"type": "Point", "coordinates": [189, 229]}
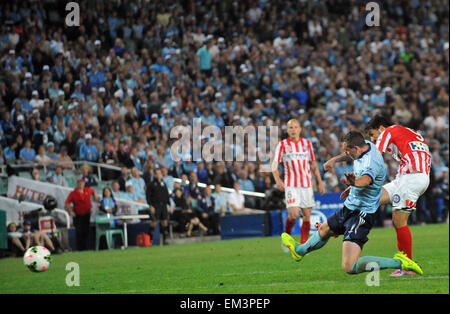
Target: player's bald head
{"type": "Point", "coordinates": [293, 129]}
{"type": "Point", "coordinates": [293, 122]}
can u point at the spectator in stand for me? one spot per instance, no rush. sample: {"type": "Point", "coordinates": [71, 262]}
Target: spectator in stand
{"type": "Point", "coordinates": [205, 56]}
{"type": "Point", "coordinates": [331, 183]}
{"type": "Point", "coordinates": [64, 160]}
{"type": "Point", "coordinates": [38, 237]}
{"type": "Point", "coordinates": [27, 154]}
{"type": "Point", "coordinates": [236, 199]}
{"type": "Point", "coordinates": [210, 171]}
{"type": "Point", "coordinates": [88, 150]}
{"type": "Point", "coordinates": [247, 185]}
{"type": "Point", "coordinates": [9, 152]}
{"type": "Point", "coordinates": [115, 190]}
{"type": "Point", "coordinates": [168, 180]}
{"type": "Point", "coordinates": [182, 214]}
{"type": "Point", "coordinates": [108, 203]}
{"type": "Point", "coordinates": [35, 174]}
{"type": "Point", "coordinates": [124, 177]}
{"type": "Point", "coordinates": [132, 195]}
{"type": "Point", "coordinates": [23, 239]}
{"type": "Point", "coordinates": [86, 175]}
{"type": "Point", "coordinates": [52, 155]}
{"type": "Point", "coordinates": [138, 182]}
{"type": "Point", "coordinates": [41, 158]}
{"type": "Point", "coordinates": [195, 222]}
{"type": "Point", "coordinates": [58, 177]}
{"type": "Point", "coordinates": [442, 191]}
{"type": "Point", "coordinates": [208, 215]}
{"type": "Point", "coordinates": [202, 173]}
{"type": "Point", "coordinates": [195, 193]}
{"type": "Point", "coordinates": [108, 157]}
{"type": "Point", "coordinates": [50, 178]}
{"type": "Point", "coordinates": [19, 240]}
{"type": "Point", "coordinates": [220, 204]}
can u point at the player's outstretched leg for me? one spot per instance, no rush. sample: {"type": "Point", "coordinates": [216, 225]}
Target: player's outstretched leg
{"type": "Point", "coordinates": [400, 261]}
{"type": "Point", "coordinates": [363, 264]}
{"type": "Point", "coordinates": [315, 242]}
{"type": "Point", "coordinates": [408, 264]}
{"type": "Point", "coordinates": [289, 242]}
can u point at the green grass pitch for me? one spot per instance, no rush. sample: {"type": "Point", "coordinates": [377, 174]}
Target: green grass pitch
{"type": "Point", "coordinates": [235, 266]}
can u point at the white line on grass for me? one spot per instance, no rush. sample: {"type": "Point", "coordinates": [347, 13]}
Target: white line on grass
{"type": "Point", "coordinates": [322, 282]}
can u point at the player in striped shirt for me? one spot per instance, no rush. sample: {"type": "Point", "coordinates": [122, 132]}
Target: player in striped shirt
{"type": "Point", "coordinates": [297, 157]}
{"type": "Point", "coordinates": [410, 149]}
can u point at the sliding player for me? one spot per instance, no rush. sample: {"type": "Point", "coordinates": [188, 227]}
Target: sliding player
{"type": "Point", "coordinates": [298, 160]}
{"type": "Point", "coordinates": [355, 219]}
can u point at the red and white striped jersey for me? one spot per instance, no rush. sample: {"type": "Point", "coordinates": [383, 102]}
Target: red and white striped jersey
{"type": "Point", "coordinates": [407, 147]}
{"type": "Point", "coordinates": [296, 158]}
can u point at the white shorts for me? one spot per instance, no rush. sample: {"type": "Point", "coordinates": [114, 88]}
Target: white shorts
{"type": "Point", "coordinates": [406, 189]}
{"type": "Point", "coordinates": [299, 197]}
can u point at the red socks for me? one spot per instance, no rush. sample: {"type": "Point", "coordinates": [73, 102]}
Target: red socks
{"type": "Point", "coordinates": [306, 226]}
{"type": "Point", "coordinates": [404, 240]}
{"type": "Point", "coordinates": [289, 225]}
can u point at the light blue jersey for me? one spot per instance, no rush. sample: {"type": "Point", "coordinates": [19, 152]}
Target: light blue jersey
{"type": "Point", "coordinates": [367, 199]}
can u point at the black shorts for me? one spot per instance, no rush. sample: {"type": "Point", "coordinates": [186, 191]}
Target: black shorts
{"type": "Point", "coordinates": [161, 213]}
{"type": "Point", "coordinates": [355, 225]}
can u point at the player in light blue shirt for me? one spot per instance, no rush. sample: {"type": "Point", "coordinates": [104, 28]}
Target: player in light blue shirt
{"type": "Point", "coordinates": [356, 218]}
{"type": "Point", "coordinates": [369, 166]}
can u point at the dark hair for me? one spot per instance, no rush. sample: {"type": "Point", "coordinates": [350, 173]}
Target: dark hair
{"type": "Point", "coordinates": [9, 226]}
{"type": "Point", "coordinates": [377, 121]}
{"type": "Point", "coordinates": [110, 191]}
{"type": "Point", "coordinates": [354, 138]}
{"type": "Point", "coordinates": [111, 196]}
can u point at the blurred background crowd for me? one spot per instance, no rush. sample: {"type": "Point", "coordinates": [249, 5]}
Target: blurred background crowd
{"type": "Point", "coordinates": [112, 89]}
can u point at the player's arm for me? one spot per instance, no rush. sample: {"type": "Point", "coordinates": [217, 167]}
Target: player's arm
{"type": "Point", "coordinates": [97, 197]}
{"type": "Point", "coordinates": [275, 169]}
{"type": "Point", "coordinates": [329, 165]}
{"type": "Point", "coordinates": [68, 206]}
{"type": "Point", "coordinates": [276, 175]}
{"type": "Point", "coordinates": [362, 181]}
{"type": "Point", "coordinates": [384, 140]}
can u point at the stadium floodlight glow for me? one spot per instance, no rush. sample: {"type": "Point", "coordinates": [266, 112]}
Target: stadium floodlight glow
{"type": "Point", "coordinates": [231, 146]}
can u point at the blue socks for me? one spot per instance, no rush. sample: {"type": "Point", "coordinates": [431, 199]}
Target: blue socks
{"type": "Point", "coordinates": [315, 242]}
{"type": "Point", "coordinates": [383, 263]}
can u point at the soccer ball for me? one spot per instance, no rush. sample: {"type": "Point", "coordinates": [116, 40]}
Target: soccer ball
{"type": "Point", "coordinates": [37, 258]}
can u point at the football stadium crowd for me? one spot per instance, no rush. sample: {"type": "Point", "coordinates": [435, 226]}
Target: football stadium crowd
{"type": "Point", "coordinates": [111, 89]}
